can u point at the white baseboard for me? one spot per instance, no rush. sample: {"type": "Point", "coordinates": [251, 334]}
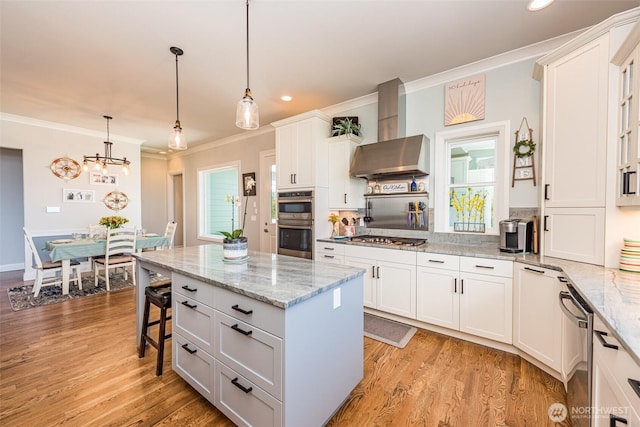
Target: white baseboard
{"type": "Point", "coordinates": [11, 267]}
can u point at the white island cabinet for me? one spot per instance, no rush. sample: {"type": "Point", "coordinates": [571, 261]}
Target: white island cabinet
{"type": "Point", "coordinates": [256, 338]}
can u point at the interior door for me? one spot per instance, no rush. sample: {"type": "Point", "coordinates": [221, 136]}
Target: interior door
{"type": "Point", "coordinates": [268, 200]}
{"type": "Point", "coordinates": [176, 206]}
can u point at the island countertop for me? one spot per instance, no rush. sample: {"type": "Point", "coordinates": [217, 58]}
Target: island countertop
{"type": "Point", "coordinates": [282, 281]}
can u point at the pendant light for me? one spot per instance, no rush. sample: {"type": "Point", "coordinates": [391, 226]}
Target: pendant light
{"type": "Point", "coordinates": [101, 163]}
{"type": "Point", "coordinates": [247, 116]}
{"type": "Point", "coordinates": [177, 141]}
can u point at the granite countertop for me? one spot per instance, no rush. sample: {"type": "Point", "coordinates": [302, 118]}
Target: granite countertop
{"type": "Point", "coordinates": [282, 281]}
{"type": "Point", "coordinates": [613, 294]}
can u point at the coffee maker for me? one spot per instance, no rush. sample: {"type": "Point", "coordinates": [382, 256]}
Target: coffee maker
{"type": "Point", "coordinates": [516, 235]}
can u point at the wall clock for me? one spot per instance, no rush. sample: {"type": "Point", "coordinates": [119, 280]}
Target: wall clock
{"type": "Point", "coordinates": [116, 200]}
{"type": "Point", "coordinates": [65, 168]}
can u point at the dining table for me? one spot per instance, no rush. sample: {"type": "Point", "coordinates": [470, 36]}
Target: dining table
{"type": "Point", "coordinates": [64, 250]}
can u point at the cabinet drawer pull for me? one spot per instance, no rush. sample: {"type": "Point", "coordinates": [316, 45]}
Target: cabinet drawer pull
{"type": "Point", "coordinates": [329, 249]}
{"type": "Point", "coordinates": [613, 420]}
{"type": "Point", "coordinates": [242, 331]}
{"type": "Point", "coordinates": [461, 286]}
{"type": "Point", "coordinates": [345, 198]}
{"type": "Point", "coordinates": [378, 272]}
{"type": "Point", "coordinates": [186, 303]}
{"type": "Point", "coordinates": [563, 279]}
{"type": "Point", "coordinates": [488, 267]}
{"type": "Point", "coordinates": [187, 288]}
{"type": "Point", "coordinates": [534, 270]}
{"type": "Point", "coordinates": [328, 256]}
{"type": "Point", "coordinates": [455, 285]}
{"type": "Point", "coordinates": [236, 308]}
{"type": "Point", "coordinates": [186, 347]}
{"type": "Point", "coordinates": [601, 336]}
{"type": "Point", "coordinates": [240, 386]}
{"type": "Point", "coordinates": [546, 191]}
{"type": "Point", "coordinates": [373, 271]}
{"type": "Point", "coordinates": [436, 261]}
{"type": "Point", "coordinates": [635, 385]}
{"type": "Point", "coordinates": [544, 227]}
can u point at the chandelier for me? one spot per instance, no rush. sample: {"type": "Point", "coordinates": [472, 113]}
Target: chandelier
{"type": "Point", "coordinates": [102, 162]}
{"type": "Point", "coordinates": [247, 111]}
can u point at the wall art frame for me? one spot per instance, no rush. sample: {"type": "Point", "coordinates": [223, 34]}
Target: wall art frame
{"type": "Point", "coordinates": [70, 195]}
{"type": "Point", "coordinates": [97, 178]}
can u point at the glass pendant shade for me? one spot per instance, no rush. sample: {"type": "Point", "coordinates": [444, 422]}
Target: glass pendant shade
{"type": "Point", "coordinates": [177, 141]}
{"type": "Point", "coordinates": [247, 114]}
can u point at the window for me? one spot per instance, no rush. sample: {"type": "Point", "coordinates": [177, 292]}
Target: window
{"type": "Point", "coordinates": [471, 179]}
{"type": "Point", "coordinates": [216, 211]}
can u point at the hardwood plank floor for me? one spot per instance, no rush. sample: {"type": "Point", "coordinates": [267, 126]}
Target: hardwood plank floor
{"type": "Point", "coordinates": [75, 363]}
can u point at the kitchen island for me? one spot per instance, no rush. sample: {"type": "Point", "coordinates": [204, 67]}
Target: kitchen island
{"type": "Point", "coordinates": [272, 341]}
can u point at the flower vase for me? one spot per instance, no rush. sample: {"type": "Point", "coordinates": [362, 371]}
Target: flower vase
{"type": "Point", "coordinates": [235, 249]}
{"type": "Point", "coordinates": [334, 233]}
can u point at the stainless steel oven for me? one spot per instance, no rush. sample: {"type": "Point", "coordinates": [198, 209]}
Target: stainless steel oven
{"type": "Point", "coordinates": [295, 224]}
{"type": "Point", "coordinates": [579, 385]}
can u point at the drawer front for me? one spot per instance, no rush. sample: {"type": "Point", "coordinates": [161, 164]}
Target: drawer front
{"type": "Point", "coordinates": [492, 267]}
{"type": "Point", "coordinates": [194, 365]}
{"type": "Point", "coordinates": [251, 352]}
{"type": "Point", "coordinates": [447, 262]}
{"type": "Point", "coordinates": [329, 257]}
{"type": "Point", "coordinates": [332, 248]}
{"type": "Point", "coordinates": [244, 402]}
{"type": "Point", "coordinates": [194, 289]}
{"type": "Point", "coordinates": [373, 254]}
{"type": "Point", "coordinates": [194, 321]}
{"type": "Point", "coordinates": [256, 313]}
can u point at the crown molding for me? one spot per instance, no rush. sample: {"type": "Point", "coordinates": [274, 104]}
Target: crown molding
{"type": "Point", "coordinates": [67, 128]}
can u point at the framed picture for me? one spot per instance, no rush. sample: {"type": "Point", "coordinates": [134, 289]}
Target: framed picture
{"type": "Point", "coordinates": [245, 179]}
{"type": "Point", "coordinates": [97, 178]}
{"type": "Point", "coordinates": [78, 196]}
{"type": "Point", "coordinates": [464, 100]}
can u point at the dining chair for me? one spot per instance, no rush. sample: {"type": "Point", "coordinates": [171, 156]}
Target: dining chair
{"type": "Point", "coordinates": [121, 244]}
{"type": "Point", "coordinates": [56, 267]}
{"type": "Point", "coordinates": [170, 233]}
{"type": "Point", "coordinates": [96, 230]}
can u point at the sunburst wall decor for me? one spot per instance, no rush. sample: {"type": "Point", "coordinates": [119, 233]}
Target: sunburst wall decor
{"type": "Point", "coordinates": [464, 100]}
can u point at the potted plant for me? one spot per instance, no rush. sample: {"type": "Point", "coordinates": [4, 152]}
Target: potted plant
{"type": "Point", "coordinates": [235, 245]}
{"type": "Point", "coordinates": [346, 126]}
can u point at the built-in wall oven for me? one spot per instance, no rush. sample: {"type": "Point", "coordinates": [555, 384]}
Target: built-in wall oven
{"type": "Point", "coordinates": [295, 224]}
{"type": "Point", "coordinates": [579, 385]}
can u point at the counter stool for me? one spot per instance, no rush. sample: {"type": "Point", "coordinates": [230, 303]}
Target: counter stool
{"type": "Point", "coordinates": [159, 295]}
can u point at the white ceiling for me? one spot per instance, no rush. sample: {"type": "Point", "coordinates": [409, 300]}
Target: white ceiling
{"type": "Point", "coordinates": [71, 62]}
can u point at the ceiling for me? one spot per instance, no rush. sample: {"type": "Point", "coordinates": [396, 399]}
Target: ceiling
{"type": "Point", "coordinates": [71, 62]}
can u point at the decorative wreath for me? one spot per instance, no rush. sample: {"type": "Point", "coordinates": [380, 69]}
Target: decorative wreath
{"type": "Point", "coordinates": [524, 148]}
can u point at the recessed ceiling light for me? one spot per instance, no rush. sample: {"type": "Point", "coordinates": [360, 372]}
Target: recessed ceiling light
{"type": "Point", "coordinates": [538, 4]}
{"type": "Point", "coordinates": [286, 98]}
{"type": "Point", "coordinates": [162, 152]}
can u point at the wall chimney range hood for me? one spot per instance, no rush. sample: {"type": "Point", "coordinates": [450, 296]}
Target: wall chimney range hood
{"type": "Point", "coordinates": [395, 156]}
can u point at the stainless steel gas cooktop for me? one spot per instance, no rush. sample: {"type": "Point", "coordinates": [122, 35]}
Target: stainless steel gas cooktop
{"type": "Point", "coordinates": [389, 241]}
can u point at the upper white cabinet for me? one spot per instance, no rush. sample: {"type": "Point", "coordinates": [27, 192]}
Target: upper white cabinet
{"type": "Point", "coordinates": [301, 151]}
{"type": "Point", "coordinates": [345, 192]}
{"type": "Point", "coordinates": [628, 151]}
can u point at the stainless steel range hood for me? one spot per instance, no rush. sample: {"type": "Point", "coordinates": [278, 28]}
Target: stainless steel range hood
{"type": "Point", "coordinates": [395, 156]}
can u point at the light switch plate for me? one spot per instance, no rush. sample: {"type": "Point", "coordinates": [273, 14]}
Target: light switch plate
{"type": "Point", "coordinates": [53, 209]}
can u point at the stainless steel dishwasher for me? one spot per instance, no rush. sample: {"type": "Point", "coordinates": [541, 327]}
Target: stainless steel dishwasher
{"type": "Point", "coordinates": [580, 384]}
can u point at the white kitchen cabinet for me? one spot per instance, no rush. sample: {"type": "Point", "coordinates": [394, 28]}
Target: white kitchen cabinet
{"type": "Point", "coordinates": [616, 376]}
{"type": "Point", "coordinates": [389, 280]}
{"type": "Point", "coordinates": [537, 318]}
{"type": "Point", "coordinates": [469, 294]}
{"type": "Point", "coordinates": [628, 142]}
{"type": "Point", "coordinates": [301, 151]}
{"type": "Point", "coordinates": [329, 252]}
{"type": "Point", "coordinates": [575, 233]}
{"type": "Point", "coordinates": [345, 192]}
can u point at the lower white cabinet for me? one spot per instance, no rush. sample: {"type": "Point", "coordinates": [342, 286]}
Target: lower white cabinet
{"type": "Point", "coordinates": [232, 349]}
{"type": "Point", "coordinates": [469, 294]}
{"type": "Point", "coordinates": [616, 382]}
{"type": "Point", "coordinates": [389, 280]}
{"type": "Point", "coordinates": [332, 253]}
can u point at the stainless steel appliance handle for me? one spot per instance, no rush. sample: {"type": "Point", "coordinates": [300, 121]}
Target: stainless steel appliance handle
{"type": "Point", "coordinates": [582, 322]}
{"type": "Point", "coordinates": [294, 200]}
{"type": "Point", "coordinates": [296, 227]}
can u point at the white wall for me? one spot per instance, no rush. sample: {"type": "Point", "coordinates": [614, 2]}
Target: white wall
{"type": "Point", "coordinates": [154, 193]}
{"type": "Point", "coordinates": [40, 146]}
{"type": "Point", "coordinates": [11, 210]}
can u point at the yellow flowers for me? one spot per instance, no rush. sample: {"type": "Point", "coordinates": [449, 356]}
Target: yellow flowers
{"type": "Point", "coordinates": [469, 205]}
{"type": "Point", "coordinates": [113, 221]}
{"type": "Point", "coordinates": [333, 218]}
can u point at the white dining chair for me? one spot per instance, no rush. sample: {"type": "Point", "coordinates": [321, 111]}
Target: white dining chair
{"type": "Point", "coordinates": [40, 267]}
{"type": "Point", "coordinates": [170, 233]}
{"type": "Point", "coordinates": [95, 231]}
{"type": "Point", "coordinates": [121, 244]}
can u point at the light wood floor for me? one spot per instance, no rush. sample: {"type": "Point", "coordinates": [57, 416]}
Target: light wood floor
{"type": "Point", "coordinates": [75, 363]}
